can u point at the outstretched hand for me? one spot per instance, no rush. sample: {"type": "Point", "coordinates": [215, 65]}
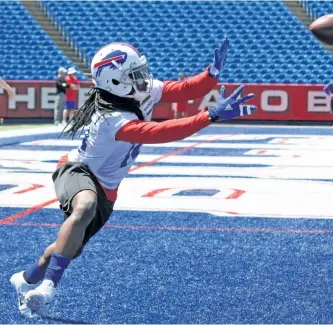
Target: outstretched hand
{"type": "Point", "coordinates": [230, 107]}
{"type": "Point", "coordinates": [220, 57]}
{"type": "Point", "coordinates": [328, 88]}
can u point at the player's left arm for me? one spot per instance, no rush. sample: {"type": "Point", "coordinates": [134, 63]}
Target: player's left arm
{"type": "Point", "coordinates": [226, 108]}
{"type": "Point", "coordinates": [199, 85]}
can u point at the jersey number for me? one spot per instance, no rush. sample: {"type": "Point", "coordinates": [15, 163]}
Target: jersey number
{"type": "Point", "coordinates": [84, 142]}
{"type": "Point", "coordinates": [133, 153]}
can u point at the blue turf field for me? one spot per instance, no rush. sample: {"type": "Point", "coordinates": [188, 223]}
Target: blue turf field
{"type": "Point", "coordinates": [232, 225]}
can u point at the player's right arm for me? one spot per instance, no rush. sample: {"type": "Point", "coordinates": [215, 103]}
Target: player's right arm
{"type": "Point", "coordinates": [4, 85]}
{"type": "Point", "coordinates": [137, 131]}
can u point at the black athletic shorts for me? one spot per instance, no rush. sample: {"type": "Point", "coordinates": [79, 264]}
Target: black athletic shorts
{"type": "Point", "coordinates": [72, 178]}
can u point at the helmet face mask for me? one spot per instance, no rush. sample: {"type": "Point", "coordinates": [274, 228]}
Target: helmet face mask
{"type": "Point", "coordinates": [138, 76]}
{"type": "Point", "coordinates": [121, 70]}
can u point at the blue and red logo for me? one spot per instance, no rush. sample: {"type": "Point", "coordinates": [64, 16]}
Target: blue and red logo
{"type": "Point", "coordinates": [108, 61]}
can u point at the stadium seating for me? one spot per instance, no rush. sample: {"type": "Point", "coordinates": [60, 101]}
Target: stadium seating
{"type": "Point", "coordinates": [268, 43]}
{"type": "Point", "coordinates": [317, 8]}
{"type": "Point", "coordinates": [26, 51]}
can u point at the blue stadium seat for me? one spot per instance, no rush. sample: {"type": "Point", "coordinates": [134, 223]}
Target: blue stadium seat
{"type": "Point", "coordinates": [317, 8]}
{"type": "Point", "coordinates": [26, 51]}
{"type": "Point", "coordinates": [268, 43]}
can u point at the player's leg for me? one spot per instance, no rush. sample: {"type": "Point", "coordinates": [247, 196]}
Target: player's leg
{"type": "Point", "coordinates": [65, 115]}
{"type": "Point", "coordinates": [70, 107]}
{"type": "Point", "coordinates": [56, 110]}
{"type": "Point", "coordinates": [61, 107]}
{"type": "Point", "coordinates": [72, 111]}
{"type": "Point", "coordinates": [36, 272]}
{"type": "Point", "coordinates": [72, 231]}
{"type": "Point", "coordinates": [56, 257]}
{"type": "Point", "coordinates": [68, 245]}
{"type": "Point", "coordinates": [25, 281]}
{"type": "Point", "coordinates": [78, 192]}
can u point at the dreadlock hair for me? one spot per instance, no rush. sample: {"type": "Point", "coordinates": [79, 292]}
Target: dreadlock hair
{"type": "Point", "coordinates": [99, 101]}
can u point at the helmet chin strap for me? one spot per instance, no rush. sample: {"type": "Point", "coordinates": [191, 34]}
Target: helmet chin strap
{"type": "Point", "coordinates": [137, 95]}
{"type": "Point", "coordinates": [132, 92]}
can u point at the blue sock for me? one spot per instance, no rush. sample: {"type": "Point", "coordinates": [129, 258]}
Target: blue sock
{"type": "Point", "coordinates": [34, 273]}
{"type": "Point", "coordinates": [56, 268]}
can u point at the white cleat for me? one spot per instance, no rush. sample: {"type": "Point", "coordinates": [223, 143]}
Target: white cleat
{"type": "Point", "coordinates": [41, 296]}
{"type": "Point", "coordinates": [22, 287]}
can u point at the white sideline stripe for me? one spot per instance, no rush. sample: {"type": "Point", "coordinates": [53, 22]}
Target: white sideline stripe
{"type": "Point", "coordinates": [289, 172]}
{"type": "Point", "coordinates": [33, 131]}
{"type": "Point", "coordinates": [324, 146]}
{"type": "Point", "coordinates": [291, 140]}
{"type": "Point", "coordinates": [40, 155]}
{"type": "Point", "coordinates": [31, 155]}
{"type": "Point", "coordinates": [76, 143]}
{"type": "Point", "coordinates": [274, 161]}
{"type": "Point", "coordinates": [277, 173]}
{"type": "Point", "coordinates": [53, 143]}
{"type": "Point", "coordinates": [293, 172]}
{"type": "Point", "coordinates": [323, 154]}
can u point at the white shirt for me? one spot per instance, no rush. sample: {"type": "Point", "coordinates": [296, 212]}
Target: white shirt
{"type": "Point", "coordinates": [109, 159]}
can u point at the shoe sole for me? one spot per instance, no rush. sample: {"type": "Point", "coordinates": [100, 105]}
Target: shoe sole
{"type": "Point", "coordinates": [25, 312]}
{"type": "Point", "coordinates": [34, 301]}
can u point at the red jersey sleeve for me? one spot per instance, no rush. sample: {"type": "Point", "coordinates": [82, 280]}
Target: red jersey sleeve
{"type": "Point", "coordinates": [190, 88]}
{"type": "Point", "coordinates": [137, 131]}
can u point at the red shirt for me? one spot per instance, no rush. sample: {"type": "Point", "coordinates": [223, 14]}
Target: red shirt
{"type": "Point", "coordinates": [71, 94]}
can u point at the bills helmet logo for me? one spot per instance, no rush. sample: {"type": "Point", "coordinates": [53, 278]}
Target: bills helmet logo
{"type": "Point", "coordinates": [118, 57]}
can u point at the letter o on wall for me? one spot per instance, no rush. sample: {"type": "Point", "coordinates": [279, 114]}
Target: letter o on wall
{"type": "Point", "coordinates": [268, 95]}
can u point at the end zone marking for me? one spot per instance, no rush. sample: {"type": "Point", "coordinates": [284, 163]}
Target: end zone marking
{"type": "Point", "coordinates": [235, 195]}
{"type": "Point", "coordinates": [31, 188]}
{"type": "Point", "coordinates": [26, 212]}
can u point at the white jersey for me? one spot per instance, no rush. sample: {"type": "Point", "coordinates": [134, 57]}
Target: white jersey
{"type": "Point", "coordinates": [108, 159]}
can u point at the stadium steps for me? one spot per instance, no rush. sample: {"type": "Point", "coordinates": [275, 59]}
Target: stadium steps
{"type": "Point", "coordinates": [302, 15]}
{"type": "Point", "coordinates": [35, 10]}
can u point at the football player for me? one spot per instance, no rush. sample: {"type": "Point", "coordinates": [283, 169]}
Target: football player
{"type": "Point", "coordinates": [118, 119]}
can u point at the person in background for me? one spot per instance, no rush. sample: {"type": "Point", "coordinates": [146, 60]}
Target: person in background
{"type": "Point", "coordinates": [328, 89]}
{"type": "Point", "coordinates": [4, 85]}
{"type": "Point", "coordinates": [61, 86]}
{"type": "Point", "coordinates": [181, 108]}
{"type": "Point", "coordinates": [71, 95]}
